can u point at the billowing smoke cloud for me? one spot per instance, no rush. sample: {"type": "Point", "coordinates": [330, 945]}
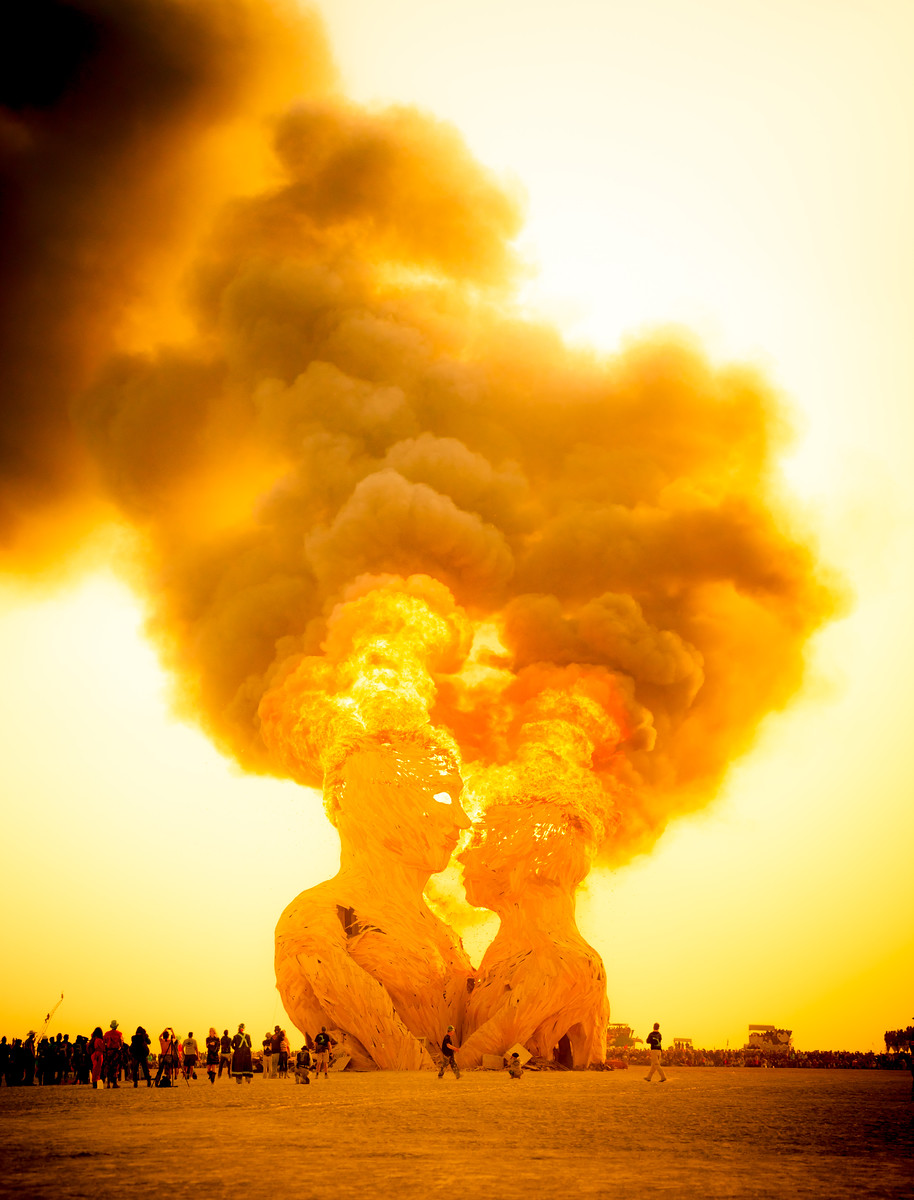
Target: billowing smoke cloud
{"type": "Point", "coordinates": [359, 403]}
{"type": "Point", "coordinates": [123, 123]}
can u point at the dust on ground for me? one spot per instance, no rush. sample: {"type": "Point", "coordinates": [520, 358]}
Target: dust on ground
{"type": "Point", "coordinates": [707, 1132]}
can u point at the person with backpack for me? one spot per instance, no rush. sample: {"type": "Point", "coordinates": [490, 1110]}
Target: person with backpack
{"type": "Point", "coordinates": [448, 1047]}
{"type": "Point", "coordinates": [655, 1041]}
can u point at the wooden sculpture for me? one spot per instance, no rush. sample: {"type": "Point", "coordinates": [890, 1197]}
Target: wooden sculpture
{"type": "Point", "coordinates": [539, 982]}
{"type": "Point", "coordinates": [363, 953]}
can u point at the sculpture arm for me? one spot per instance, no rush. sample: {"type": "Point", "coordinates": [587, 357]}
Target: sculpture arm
{"type": "Point", "coordinates": [535, 1000]}
{"type": "Point", "coordinates": [518, 1014]}
{"type": "Point", "coordinates": [313, 967]}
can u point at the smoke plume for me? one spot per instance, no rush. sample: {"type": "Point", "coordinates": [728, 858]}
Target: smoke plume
{"type": "Point", "coordinates": [337, 403]}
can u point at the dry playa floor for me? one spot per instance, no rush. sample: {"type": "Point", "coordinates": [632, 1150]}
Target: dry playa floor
{"type": "Point", "coordinates": [708, 1132]}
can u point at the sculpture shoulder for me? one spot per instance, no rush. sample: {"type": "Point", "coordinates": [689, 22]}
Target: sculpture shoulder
{"type": "Point", "coordinates": [312, 920]}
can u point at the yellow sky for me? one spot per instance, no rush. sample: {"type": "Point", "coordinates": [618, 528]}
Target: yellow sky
{"type": "Point", "coordinates": [745, 169]}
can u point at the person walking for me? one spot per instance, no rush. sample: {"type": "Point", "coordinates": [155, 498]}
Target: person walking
{"type": "Point", "coordinates": [212, 1053]}
{"type": "Point", "coordinates": [655, 1041]}
{"type": "Point", "coordinates": [190, 1051]}
{"type": "Point", "coordinates": [448, 1047]}
{"type": "Point", "coordinates": [225, 1054]}
{"type": "Point", "coordinates": [242, 1058]}
{"type": "Point", "coordinates": [139, 1056]}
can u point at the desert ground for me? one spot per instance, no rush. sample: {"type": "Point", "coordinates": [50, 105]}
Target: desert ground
{"type": "Point", "coordinates": [707, 1132]}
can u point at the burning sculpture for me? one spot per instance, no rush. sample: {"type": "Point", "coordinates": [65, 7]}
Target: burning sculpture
{"type": "Point", "coordinates": [369, 498]}
{"type": "Point", "coordinates": [539, 982]}
{"type": "Point", "coordinates": [362, 952]}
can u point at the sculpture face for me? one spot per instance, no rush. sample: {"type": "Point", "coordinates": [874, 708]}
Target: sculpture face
{"type": "Point", "coordinates": [398, 802]}
{"type": "Point", "coordinates": [516, 847]}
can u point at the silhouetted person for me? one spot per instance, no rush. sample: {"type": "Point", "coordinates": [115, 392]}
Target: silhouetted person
{"type": "Point", "coordinates": [97, 1044]}
{"type": "Point", "coordinates": [242, 1058]}
{"type": "Point", "coordinates": [81, 1060]}
{"type": "Point", "coordinates": [212, 1053]}
{"type": "Point", "coordinates": [139, 1056]}
{"type": "Point", "coordinates": [225, 1053]}
{"type": "Point", "coordinates": [114, 1045]}
{"type": "Point", "coordinates": [28, 1060]}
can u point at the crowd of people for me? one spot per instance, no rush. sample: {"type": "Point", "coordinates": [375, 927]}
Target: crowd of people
{"type": "Point", "coordinates": [108, 1059]}
{"type": "Point", "coordinates": [752, 1056]}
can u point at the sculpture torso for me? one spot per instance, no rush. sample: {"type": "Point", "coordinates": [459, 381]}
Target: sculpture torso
{"type": "Point", "coordinates": [363, 953]}
{"type": "Point", "coordinates": [419, 963]}
{"type": "Point", "coordinates": [534, 986]}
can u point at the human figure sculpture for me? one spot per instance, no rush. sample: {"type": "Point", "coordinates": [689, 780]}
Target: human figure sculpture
{"type": "Point", "coordinates": [363, 953]}
{"type": "Point", "coordinates": [539, 981]}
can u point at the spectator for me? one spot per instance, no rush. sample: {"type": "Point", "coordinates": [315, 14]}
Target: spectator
{"type": "Point", "coordinates": [139, 1055]}
{"type": "Point", "coordinates": [114, 1044]}
{"type": "Point", "coordinates": [97, 1044]}
{"type": "Point", "coordinates": [225, 1054]}
{"type": "Point", "coordinates": [190, 1052]}
{"type": "Point", "coordinates": [655, 1040]}
{"type": "Point", "coordinates": [242, 1059]}
{"type": "Point", "coordinates": [212, 1053]}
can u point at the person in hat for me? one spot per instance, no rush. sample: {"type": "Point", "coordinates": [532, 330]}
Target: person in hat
{"type": "Point", "coordinates": [114, 1044]}
{"type": "Point", "coordinates": [242, 1064]}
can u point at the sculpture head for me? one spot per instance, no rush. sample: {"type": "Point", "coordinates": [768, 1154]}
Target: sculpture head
{"type": "Point", "coordinates": [518, 847]}
{"type": "Point", "coordinates": [398, 798]}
